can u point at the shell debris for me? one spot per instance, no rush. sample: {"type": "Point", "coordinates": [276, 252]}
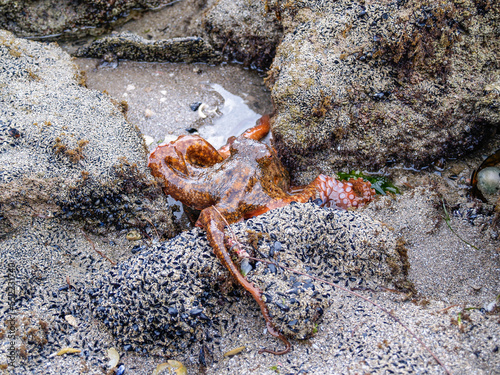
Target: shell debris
{"type": "Point", "coordinates": [71, 320]}
{"type": "Point", "coordinates": [67, 351]}
{"type": "Point", "coordinates": [172, 306]}
{"type": "Point", "coordinates": [114, 357]}
{"type": "Point", "coordinates": [174, 367]}
{"type": "Point", "coordinates": [200, 110]}
{"type": "Point", "coordinates": [234, 351]}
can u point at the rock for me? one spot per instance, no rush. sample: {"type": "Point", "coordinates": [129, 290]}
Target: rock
{"type": "Point", "coordinates": [240, 31]}
{"type": "Point", "coordinates": [365, 85]}
{"type": "Point", "coordinates": [132, 47]}
{"type": "Point", "coordinates": [56, 19]}
{"type": "Point", "coordinates": [243, 30]}
{"type": "Point", "coordinates": [488, 182]}
{"type": "Point", "coordinates": [66, 151]}
{"type": "Point", "coordinates": [173, 291]}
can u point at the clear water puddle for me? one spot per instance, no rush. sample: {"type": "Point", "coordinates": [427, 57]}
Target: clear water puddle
{"type": "Point", "coordinates": [160, 97]}
{"type": "Point", "coordinates": [236, 117]}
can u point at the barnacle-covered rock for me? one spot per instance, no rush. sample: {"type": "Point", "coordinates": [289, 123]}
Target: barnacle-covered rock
{"type": "Point", "coordinates": [169, 296]}
{"type": "Point", "coordinates": [56, 19]}
{"type": "Point", "coordinates": [363, 85]}
{"type": "Point", "coordinates": [130, 46]}
{"type": "Point", "coordinates": [68, 151]}
{"type": "Point", "coordinates": [243, 30]}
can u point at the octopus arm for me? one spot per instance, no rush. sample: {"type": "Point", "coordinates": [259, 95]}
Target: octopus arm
{"type": "Point", "coordinates": [211, 220]}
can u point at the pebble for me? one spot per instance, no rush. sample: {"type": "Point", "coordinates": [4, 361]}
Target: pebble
{"type": "Point", "coordinates": [488, 180]}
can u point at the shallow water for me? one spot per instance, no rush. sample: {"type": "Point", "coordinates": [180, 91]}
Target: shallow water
{"type": "Point", "coordinates": [160, 97]}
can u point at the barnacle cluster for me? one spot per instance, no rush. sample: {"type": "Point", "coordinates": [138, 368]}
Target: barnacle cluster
{"type": "Point", "coordinates": [169, 296]}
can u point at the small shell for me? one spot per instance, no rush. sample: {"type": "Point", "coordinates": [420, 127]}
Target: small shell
{"type": "Point", "coordinates": [200, 110]}
{"type": "Point", "coordinates": [175, 366]}
{"type": "Point", "coordinates": [67, 351]}
{"type": "Point", "coordinates": [133, 235]}
{"type": "Point", "coordinates": [488, 180]}
{"type": "Point", "coordinates": [114, 357]}
{"type": "Point", "coordinates": [234, 351]}
{"type": "Point", "coordinates": [148, 113]}
{"type": "Point", "coordinates": [71, 320]}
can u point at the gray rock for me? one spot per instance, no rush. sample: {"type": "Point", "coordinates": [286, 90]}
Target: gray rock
{"type": "Point", "coordinates": [243, 30]}
{"type": "Point", "coordinates": [67, 151]}
{"type": "Point", "coordinates": [364, 85]}
{"type": "Point", "coordinates": [56, 19]}
{"type": "Point", "coordinates": [132, 47]}
{"type": "Point", "coordinates": [456, 262]}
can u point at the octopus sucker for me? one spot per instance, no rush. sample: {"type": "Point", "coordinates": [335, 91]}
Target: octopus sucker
{"type": "Point", "coordinates": [351, 193]}
{"type": "Point", "coordinates": [243, 179]}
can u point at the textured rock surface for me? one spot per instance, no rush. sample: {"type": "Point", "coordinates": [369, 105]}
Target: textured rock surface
{"type": "Point", "coordinates": [40, 262]}
{"type": "Point", "coordinates": [168, 296]}
{"type": "Point", "coordinates": [67, 18]}
{"type": "Point", "coordinates": [366, 84]}
{"type": "Point", "coordinates": [132, 47]}
{"type": "Point", "coordinates": [68, 151]}
{"type": "Point", "coordinates": [352, 335]}
{"type": "Point", "coordinates": [243, 30]}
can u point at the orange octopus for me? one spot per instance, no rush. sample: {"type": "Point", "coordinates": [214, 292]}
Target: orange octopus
{"type": "Point", "coordinates": [243, 179]}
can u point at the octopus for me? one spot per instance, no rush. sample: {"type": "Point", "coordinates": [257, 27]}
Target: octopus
{"type": "Point", "coordinates": [243, 179]}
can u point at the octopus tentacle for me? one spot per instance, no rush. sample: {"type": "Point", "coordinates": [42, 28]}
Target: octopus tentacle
{"type": "Point", "coordinates": [211, 220]}
{"type": "Point", "coordinates": [353, 193]}
{"type": "Point", "coordinates": [256, 133]}
{"type": "Point", "coordinates": [260, 130]}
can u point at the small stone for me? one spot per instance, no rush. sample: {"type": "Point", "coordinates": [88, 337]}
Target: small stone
{"type": "Point", "coordinates": [194, 106]}
{"type": "Point", "coordinates": [488, 180]}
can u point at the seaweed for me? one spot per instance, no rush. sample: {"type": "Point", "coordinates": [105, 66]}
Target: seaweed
{"type": "Point", "coordinates": [381, 184]}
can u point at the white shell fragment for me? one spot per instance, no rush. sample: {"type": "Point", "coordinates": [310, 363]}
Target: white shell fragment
{"type": "Point", "coordinates": [71, 320]}
{"type": "Point", "coordinates": [114, 357]}
{"type": "Point", "coordinates": [148, 113]}
{"type": "Point", "coordinates": [200, 110]}
{"type": "Point", "coordinates": [149, 140]}
{"type": "Point", "coordinates": [488, 180]}
{"type": "Point", "coordinates": [174, 367]}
